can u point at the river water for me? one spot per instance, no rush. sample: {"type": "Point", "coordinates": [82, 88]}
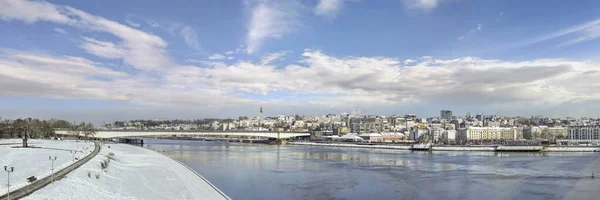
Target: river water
{"type": "Point", "coordinates": [252, 171]}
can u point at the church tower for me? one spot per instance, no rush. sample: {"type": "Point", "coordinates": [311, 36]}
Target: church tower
{"type": "Point", "coordinates": [260, 114]}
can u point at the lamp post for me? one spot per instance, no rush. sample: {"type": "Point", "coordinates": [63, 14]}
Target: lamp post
{"type": "Point", "coordinates": [8, 183]}
{"type": "Point", "coordinates": [73, 165]}
{"type": "Point", "coordinates": [52, 159]}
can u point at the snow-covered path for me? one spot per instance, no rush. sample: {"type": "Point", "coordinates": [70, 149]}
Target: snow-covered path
{"type": "Point", "coordinates": [134, 173]}
{"type": "Point", "coordinates": [34, 161]}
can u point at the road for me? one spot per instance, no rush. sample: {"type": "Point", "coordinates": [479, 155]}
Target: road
{"type": "Point", "coordinates": [40, 183]}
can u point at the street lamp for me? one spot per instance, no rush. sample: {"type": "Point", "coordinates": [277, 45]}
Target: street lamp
{"type": "Point", "coordinates": [73, 165]}
{"type": "Point", "coordinates": [8, 183]}
{"type": "Point", "coordinates": [52, 159]}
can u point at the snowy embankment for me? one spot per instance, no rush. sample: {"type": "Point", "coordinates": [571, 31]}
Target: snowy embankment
{"type": "Point", "coordinates": [131, 173]}
{"type": "Point", "coordinates": [34, 161]}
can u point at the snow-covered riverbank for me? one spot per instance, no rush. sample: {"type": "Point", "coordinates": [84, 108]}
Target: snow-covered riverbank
{"type": "Point", "coordinates": [34, 161]}
{"type": "Point", "coordinates": [132, 173]}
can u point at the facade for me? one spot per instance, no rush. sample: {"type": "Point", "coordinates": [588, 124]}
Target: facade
{"type": "Point", "coordinates": [366, 125]}
{"type": "Point", "coordinates": [372, 137]}
{"type": "Point", "coordinates": [449, 136]}
{"type": "Point", "coordinates": [436, 131]}
{"type": "Point", "coordinates": [488, 133]}
{"type": "Point", "coordinates": [446, 114]}
{"type": "Point", "coordinates": [584, 132]}
{"type": "Point", "coordinates": [544, 132]}
{"type": "Point", "coordinates": [532, 132]}
{"type": "Point", "coordinates": [392, 136]}
{"type": "Point", "coordinates": [556, 132]}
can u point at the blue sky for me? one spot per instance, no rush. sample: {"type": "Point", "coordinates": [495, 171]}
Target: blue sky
{"type": "Point", "coordinates": [113, 59]}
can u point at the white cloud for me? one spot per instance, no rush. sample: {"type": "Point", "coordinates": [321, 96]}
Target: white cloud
{"type": "Point", "coordinates": [143, 50]}
{"type": "Point", "coordinates": [328, 8]}
{"type": "Point", "coordinates": [103, 49]}
{"type": "Point", "coordinates": [31, 12]}
{"type": "Point", "coordinates": [342, 82]}
{"type": "Point", "coordinates": [574, 29]}
{"type": "Point", "coordinates": [230, 58]}
{"type": "Point", "coordinates": [60, 30]}
{"type": "Point", "coordinates": [217, 57]}
{"type": "Point", "coordinates": [409, 61]}
{"type": "Point", "coordinates": [189, 35]}
{"type": "Point", "coordinates": [270, 20]}
{"type": "Point", "coordinates": [132, 23]}
{"type": "Point", "coordinates": [499, 16]}
{"type": "Point", "coordinates": [476, 29]}
{"type": "Point", "coordinates": [268, 58]}
{"type": "Point", "coordinates": [587, 34]}
{"type": "Point", "coordinates": [423, 5]}
{"type": "Point", "coordinates": [153, 23]}
{"type": "Point", "coordinates": [28, 74]}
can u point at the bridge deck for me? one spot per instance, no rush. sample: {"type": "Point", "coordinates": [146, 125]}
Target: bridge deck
{"type": "Point", "coordinates": [131, 133]}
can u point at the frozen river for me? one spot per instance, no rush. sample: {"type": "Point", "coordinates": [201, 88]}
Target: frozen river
{"type": "Point", "coordinates": [247, 171]}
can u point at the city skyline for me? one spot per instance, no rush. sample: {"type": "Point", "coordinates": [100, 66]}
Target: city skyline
{"type": "Point", "coordinates": [99, 62]}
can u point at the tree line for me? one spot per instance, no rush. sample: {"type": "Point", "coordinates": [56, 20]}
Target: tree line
{"type": "Point", "coordinates": [36, 128]}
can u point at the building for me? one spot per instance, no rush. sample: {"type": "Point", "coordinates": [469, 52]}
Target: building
{"type": "Point", "coordinates": [449, 136]}
{"type": "Point", "coordinates": [436, 131]}
{"type": "Point", "coordinates": [555, 132]}
{"type": "Point", "coordinates": [392, 136]}
{"type": "Point", "coordinates": [488, 133]}
{"type": "Point", "coordinates": [446, 114]}
{"type": "Point", "coordinates": [372, 137]}
{"type": "Point", "coordinates": [418, 131]}
{"type": "Point", "coordinates": [532, 132]}
{"type": "Point", "coordinates": [366, 125]}
{"type": "Point", "coordinates": [584, 132]}
{"type": "Point", "coordinates": [544, 132]}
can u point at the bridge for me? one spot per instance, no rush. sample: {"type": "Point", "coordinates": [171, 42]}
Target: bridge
{"type": "Point", "coordinates": [157, 133]}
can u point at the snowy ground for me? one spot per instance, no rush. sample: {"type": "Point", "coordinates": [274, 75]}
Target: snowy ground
{"type": "Point", "coordinates": [135, 173]}
{"type": "Point", "coordinates": [34, 161]}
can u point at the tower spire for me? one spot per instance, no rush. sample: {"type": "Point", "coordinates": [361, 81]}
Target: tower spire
{"type": "Point", "coordinates": [260, 114]}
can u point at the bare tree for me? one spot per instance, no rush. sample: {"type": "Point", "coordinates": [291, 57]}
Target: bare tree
{"type": "Point", "coordinates": [87, 129]}
{"type": "Point", "coordinates": [74, 130]}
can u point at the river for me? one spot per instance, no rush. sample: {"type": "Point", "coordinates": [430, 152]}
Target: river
{"type": "Point", "coordinates": [252, 171]}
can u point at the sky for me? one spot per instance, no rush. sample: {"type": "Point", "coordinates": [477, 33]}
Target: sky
{"type": "Point", "coordinates": [186, 59]}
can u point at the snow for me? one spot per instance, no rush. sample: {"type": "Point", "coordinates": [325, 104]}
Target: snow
{"type": "Point", "coordinates": [135, 173]}
{"type": "Point", "coordinates": [34, 161]}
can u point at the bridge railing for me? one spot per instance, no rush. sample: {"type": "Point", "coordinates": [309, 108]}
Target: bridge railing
{"type": "Point", "coordinates": [112, 134]}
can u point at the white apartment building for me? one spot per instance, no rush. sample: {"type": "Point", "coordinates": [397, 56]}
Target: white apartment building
{"type": "Point", "coordinates": [488, 133]}
{"type": "Point", "coordinates": [584, 132]}
{"type": "Point", "coordinates": [449, 135]}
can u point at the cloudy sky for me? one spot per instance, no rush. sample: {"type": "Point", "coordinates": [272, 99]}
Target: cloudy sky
{"type": "Point", "coordinates": [113, 60]}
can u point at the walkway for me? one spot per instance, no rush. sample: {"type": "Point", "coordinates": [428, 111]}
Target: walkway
{"type": "Point", "coordinates": [40, 183]}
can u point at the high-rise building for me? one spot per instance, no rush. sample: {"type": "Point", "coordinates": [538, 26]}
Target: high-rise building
{"type": "Point", "coordinates": [446, 114]}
